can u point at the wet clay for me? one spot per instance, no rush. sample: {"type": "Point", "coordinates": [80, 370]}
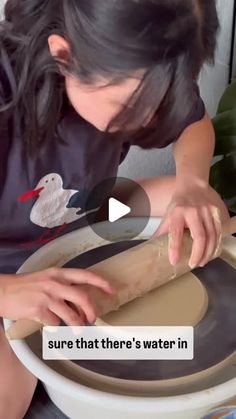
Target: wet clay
{"type": "Point", "coordinates": [182, 302]}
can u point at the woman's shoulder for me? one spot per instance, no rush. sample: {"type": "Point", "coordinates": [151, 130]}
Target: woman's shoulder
{"type": "Point", "coordinates": [153, 136]}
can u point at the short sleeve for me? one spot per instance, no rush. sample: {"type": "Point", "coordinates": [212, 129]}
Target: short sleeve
{"type": "Point", "coordinates": [154, 136]}
{"type": "Point", "coordinates": [195, 116]}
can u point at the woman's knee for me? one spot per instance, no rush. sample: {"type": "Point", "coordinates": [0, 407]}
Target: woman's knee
{"type": "Point", "coordinates": [16, 392]}
{"type": "Point", "coordinates": [12, 407]}
{"type": "Point", "coordinates": [17, 384]}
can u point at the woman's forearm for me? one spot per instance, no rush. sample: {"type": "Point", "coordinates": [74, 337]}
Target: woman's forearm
{"type": "Point", "coordinates": [194, 152]}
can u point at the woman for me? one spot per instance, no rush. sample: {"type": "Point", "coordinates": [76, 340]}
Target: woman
{"type": "Point", "coordinates": [80, 82]}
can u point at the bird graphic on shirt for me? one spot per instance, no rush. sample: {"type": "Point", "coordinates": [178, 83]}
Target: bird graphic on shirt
{"type": "Point", "coordinates": [55, 206]}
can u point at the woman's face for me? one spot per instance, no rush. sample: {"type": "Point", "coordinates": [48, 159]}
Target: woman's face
{"type": "Point", "coordinates": [100, 103]}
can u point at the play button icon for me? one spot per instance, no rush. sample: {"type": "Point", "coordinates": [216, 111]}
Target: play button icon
{"type": "Point", "coordinates": [118, 202]}
{"type": "Point", "coordinates": [117, 210]}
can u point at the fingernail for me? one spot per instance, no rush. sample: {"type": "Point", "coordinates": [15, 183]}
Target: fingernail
{"type": "Point", "coordinates": [192, 265]}
{"type": "Point", "coordinates": [173, 260]}
{"type": "Point", "coordinates": [111, 290]}
{"type": "Point", "coordinates": [36, 319]}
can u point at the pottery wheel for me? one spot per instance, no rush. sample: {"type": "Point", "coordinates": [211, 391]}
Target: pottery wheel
{"type": "Point", "coordinates": [212, 303]}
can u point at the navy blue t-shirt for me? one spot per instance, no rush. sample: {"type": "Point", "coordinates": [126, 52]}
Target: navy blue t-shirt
{"type": "Point", "coordinates": [42, 197]}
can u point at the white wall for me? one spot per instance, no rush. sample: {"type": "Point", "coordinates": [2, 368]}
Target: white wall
{"type": "Point", "coordinates": [141, 163]}
{"type": "Point", "coordinates": [234, 57]}
{"type": "Point", "coordinates": [1, 6]}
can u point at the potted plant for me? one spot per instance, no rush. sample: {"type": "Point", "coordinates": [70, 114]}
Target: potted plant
{"type": "Point", "coordinates": [223, 172]}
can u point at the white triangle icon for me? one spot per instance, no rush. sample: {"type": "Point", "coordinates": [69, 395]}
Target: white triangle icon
{"type": "Point", "coordinates": [117, 210]}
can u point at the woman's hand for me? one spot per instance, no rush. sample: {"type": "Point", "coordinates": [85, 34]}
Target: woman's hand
{"type": "Point", "coordinates": [50, 296]}
{"type": "Point", "coordinates": [193, 207]}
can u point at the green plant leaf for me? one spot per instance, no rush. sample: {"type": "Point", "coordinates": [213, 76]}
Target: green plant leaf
{"type": "Point", "coordinates": [225, 145]}
{"type": "Point", "coordinates": [223, 172]}
{"type": "Point", "coordinates": [231, 204]}
{"type": "Point", "coordinates": [233, 208]}
{"type": "Point", "coordinates": [225, 123]}
{"type": "Point", "coordinates": [223, 177]}
{"type": "Point", "coordinates": [228, 100]}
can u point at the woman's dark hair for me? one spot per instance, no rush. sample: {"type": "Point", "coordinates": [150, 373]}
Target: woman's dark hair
{"type": "Point", "coordinates": [168, 39]}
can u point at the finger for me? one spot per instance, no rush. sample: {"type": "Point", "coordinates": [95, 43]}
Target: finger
{"type": "Point", "coordinates": [78, 297]}
{"type": "Point", "coordinates": [81, 276]}
{"type": "Point", "coordinates": [48, 318]}
{"type": "Point", "coordinates": [82, 315]}
{"type": "Point", "coordinates": [198, 234]}
{"type": "Point", "coordinates": [79, 311]}
{"type": "Point", "coordinates": [211, 236]}
{"type": "Point", "coordinates": [176, 232]}
{"type": "Point", "coordinates": [65, 313]}
{"type": "Point", "coordinates": [216, 214]}
{"type": "Point", "coordinates": [163, 228]}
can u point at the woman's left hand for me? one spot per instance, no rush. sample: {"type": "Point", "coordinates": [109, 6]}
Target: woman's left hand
{"type": "Point", "coordinates": [192, 207]}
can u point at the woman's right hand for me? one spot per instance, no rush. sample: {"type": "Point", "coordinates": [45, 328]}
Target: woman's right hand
{"type": "Point", "coordinates": [50, 296]}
